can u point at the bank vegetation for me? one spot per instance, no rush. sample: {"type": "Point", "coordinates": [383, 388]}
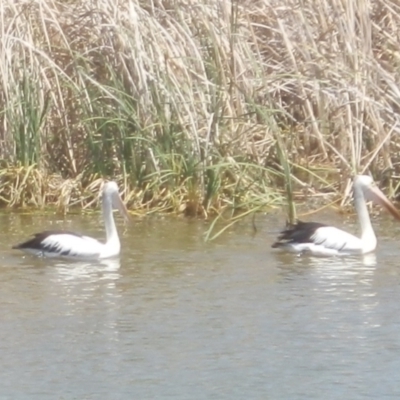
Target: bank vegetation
{"type": "Point", "coordinates": [196, 106]}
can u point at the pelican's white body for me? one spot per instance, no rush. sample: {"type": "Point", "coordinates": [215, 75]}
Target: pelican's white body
{"type": "Point", "coordinates": [322, 240]}
{"type": "Point", "coordinates": [75, 246]}
{"type": "Point", "coordinates": [331, 241]}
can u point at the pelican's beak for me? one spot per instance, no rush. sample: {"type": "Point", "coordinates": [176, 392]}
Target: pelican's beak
{"type": "Point", "coordinates": [121, 208]}
{"type": "Point", "coordinates": [376, 195]}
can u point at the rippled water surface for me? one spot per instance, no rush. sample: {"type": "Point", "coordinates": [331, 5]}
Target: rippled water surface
{"type": "Point", "coordinates": [177, 318]}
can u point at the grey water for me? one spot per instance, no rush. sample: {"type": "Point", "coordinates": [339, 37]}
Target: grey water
{"type": "Point", "coordinates": [178, 318]}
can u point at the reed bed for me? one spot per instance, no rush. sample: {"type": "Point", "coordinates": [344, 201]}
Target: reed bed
{"type": "Point", "coordinates": [196, 107]}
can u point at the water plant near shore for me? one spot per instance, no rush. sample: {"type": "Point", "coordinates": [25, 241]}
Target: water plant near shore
{"type": "Point", "coordinates": [195, 107]}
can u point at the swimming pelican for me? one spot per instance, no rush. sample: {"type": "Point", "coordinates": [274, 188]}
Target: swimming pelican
{"type": "Point", "coordinates": [72, 245]}
{"type": "Point", "coordinates": [323, 240]}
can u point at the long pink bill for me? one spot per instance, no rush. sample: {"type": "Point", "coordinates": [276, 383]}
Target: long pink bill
{"type": "Point", "coordinates": [377, 196]}
{"type": "Point", "coordinates": [122, 209]}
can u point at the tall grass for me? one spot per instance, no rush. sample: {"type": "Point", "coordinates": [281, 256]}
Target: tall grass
{"type": "Point", "coordinates": [169, 97]}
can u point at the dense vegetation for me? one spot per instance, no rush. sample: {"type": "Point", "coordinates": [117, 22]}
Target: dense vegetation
{"type": "Point", "coordinates": [196, 106]}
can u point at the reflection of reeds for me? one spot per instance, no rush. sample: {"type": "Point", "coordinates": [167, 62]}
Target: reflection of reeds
{"type": "Point", "coordinates": [166, 98]}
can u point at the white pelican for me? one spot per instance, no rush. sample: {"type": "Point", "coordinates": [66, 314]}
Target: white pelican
{"type": "Point", "coordinates": [72, 245]}
{"type": "Point", "coordinates": [323, 240]}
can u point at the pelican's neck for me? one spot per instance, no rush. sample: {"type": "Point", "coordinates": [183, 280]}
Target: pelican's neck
{"type": "Point", "coordinates": [367, 232]}
{"type": "Point", "coordinates": [111, 229]}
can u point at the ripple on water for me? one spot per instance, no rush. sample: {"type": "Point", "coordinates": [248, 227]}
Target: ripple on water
{"type": "Point", "coordinates": [176, 318]}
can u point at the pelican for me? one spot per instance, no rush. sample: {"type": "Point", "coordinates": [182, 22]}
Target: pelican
{"type": "Point", "coordinates": [75, 246]}
{"type": "Point", "coordinates": [323, 240]}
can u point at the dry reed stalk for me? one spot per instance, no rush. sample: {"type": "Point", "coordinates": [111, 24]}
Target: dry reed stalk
{"type": "Point", "coordinates": [162, 95]}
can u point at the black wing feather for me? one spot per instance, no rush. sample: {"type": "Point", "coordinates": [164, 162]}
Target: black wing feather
{"type": "Point", "coordinates": [36, 241]}
{"type": "Point", "coordinates": [300, 232]}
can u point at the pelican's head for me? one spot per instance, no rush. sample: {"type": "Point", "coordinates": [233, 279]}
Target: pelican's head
{"type": "Point", "coordinates": [363, 181]}
{"type": "Point", "coordinates": [366, 184]}
{"type": "Point", "coordinates": [110, 193]}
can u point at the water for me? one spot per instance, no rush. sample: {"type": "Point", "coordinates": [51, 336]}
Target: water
{"type": "Point", "coordinates": [177, 318]}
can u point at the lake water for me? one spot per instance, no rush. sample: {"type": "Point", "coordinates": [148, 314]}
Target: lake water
{"type": "Point", "coordinates": [178, 318]}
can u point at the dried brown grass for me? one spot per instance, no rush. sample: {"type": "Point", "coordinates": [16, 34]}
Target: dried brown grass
{"type": "Point", "coordinates": [98, 88]}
